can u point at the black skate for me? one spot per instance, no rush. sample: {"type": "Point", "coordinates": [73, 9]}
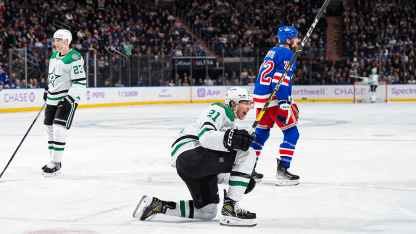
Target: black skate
{"type": "Point", "coordinates": [258, 177]}
{"type": "Point", "coordinates": [233, 215]}
{"type": "Point", "coordinates": [149, 207]}
{"type": "Point", "coordinates": [284, 177]}
{"type": "Point", "coordinates": [52, 169]}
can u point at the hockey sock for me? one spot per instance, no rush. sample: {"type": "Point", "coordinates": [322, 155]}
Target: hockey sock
{"type": "Point", "coordinates": [287, 148]}
{"type": "Point", "coordinates": [258, 152]}
{"type": "Point", "coordinates": [49, 134]}
{"type": "Point", "coordinates": [59, 141]}
{"type": "Point", "coordinates": [186, 209]}
{"type": "Point", "coordinates": [240, 174]}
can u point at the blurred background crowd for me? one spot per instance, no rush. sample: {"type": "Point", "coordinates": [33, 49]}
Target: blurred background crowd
{"type": "Point", "coordinates": [143, 42]}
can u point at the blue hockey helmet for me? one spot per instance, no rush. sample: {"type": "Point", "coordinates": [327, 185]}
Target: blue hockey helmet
{"type": "Point", "coordinates": [286, 32]}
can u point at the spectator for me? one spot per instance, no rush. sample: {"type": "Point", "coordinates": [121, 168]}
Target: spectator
{"type": "Point", "coordinates": [42, 83]}
{"type": "Point", "coordinates": [107, 83]}
{"type": "Point", "coordinates": [172, 83]}
{"type": "Point", "coordinates": [18, 85]}
{"type": "Point", "coordinates": [38, 43]}
{"type": "Point", "coordinates": [4, 79]}
{"type": "Point", "coordinates": [140, 82]}
{"type": "Point", "coordinates": [200, 82]}
{"type": "Point", "coordinates": [234, 78]}
{"type": "Point", "coordinates": [128, 48]}
{"type": "Point", "coordinates": [179, 82]}
{"type": "Point", "coordinates": [119, 84]}
{"type": "Point", "coordinates": [208, 81]}
{"type": "Point", "coordinates": [251, 78]}
{"type": "Point", "coordinates": [24, 84]}
{"type": "Point", "coordinates": [35, 83]}
{"type": "Point", "coordinates": [411, 80]}
{"type": "Point", "coordinates": [178, 52]}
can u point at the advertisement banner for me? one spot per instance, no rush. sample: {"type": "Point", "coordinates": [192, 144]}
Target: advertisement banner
{"type": "Point", "coordinates": [323, 92]}
{"type": "Point", "coordinates": [402, 92]}
{"type": "Point", "coordinates": [196, 62]}
{"type": "Point", "coordinates": [21, 98]}
{"type": "Point", "coordinates": [203, 93]}
{"type": "Point", "coordinates": [31, 99]}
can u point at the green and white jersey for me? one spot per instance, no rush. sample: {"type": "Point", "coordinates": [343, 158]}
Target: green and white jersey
{"type": "Point", "coordinates": [208, 131]}
{"type": "Point", "coordinates": [66, 76]}
{"type": "Point", "coordinates": [373, 79]}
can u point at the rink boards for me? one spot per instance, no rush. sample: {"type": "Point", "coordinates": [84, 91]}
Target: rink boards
{"type": "Point", "coordinates": [15, 100]}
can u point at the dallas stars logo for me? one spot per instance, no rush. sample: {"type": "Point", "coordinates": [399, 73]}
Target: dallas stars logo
{"type": "Point", "coordinates": [52, 77]}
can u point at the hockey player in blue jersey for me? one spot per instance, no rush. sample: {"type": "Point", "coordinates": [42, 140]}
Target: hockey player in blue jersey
{"type": "Point", "coordinates": [282, 110]}
{"type": "Point", "coordinates": [4, 79]}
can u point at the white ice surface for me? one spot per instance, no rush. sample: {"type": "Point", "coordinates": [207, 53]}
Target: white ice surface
{"type": "Point", "coordinates": [357, 164]}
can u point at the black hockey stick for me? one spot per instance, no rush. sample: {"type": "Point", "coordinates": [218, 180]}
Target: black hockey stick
{"type": "Point", "coordinates": [22, 140]}
{"type": "Point", "coordinates": [298, 50]}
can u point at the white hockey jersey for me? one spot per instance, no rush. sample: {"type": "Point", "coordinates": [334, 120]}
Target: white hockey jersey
{"type": "Point", "coordinates": [373, 79]}
{"type": "Point", "coordinates": [208, 131]}
{"type": "Point", "coordinates": [66, 76]}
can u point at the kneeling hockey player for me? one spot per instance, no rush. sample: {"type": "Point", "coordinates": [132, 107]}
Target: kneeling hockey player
{"type": "Point", "coordinates": [206, 153]}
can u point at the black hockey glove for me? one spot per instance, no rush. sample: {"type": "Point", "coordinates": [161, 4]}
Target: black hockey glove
{"type": "Point", "coordinates": [250, 186]}
{"type": "Point", "coordinates": [66, 102]}
{"type": "Point", "coordinates": [45, 93]}
{"type": "Point", "coordinates": [238, 139]}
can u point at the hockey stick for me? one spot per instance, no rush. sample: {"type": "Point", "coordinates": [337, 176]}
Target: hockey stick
{"type": "Point", "coordinates": [359, 77]}
{"type": "Point", "coordinates": [22, 140]}
{"type": "Point", "coordinates": [298, 50]}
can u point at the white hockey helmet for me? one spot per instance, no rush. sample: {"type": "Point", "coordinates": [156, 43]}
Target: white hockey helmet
{"type": "Point", "coordinates": [374, 70]}
{"type": "Point", "coordinates": [64, 35]}
{"type": "Point", "coordinates": [237, 94]}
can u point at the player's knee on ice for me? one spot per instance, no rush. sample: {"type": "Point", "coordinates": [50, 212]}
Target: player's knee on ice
{"type": "Point", "coordinates": [207, 212]}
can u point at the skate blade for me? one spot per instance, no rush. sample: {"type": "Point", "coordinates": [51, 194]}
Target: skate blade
{"type": "Point", "coordinates": [258, 180]}
{"type": "Point", "coordinates": [141, 207]}
{"type": "Point", "coordinates": [284, 182]}
{"type": "Point", "coordinates": [51, 174]}
{"type": "Point", "coordinates": [236, 222]}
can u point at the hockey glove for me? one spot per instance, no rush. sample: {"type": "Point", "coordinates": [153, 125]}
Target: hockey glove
{"type": "Point", "coordinates": [283, 113]}
{"type": "Point", "coordinates": [238, 139]}
{"type": "Point", "coordinates": [296, 110]}
{"type": "Point", "coordinates": [45, 93]}
{"type": "Point", "coordinates": [66, 102]}
{"type": "Point", "coordinates": [250, 186]}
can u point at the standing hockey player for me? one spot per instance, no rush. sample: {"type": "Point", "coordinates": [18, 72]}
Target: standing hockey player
{"type": "Point", "coordinates": [66, 79]}
{"type": "Point", "coordinates": [282, 109]}
{"type": "Point", "coordinates": [373, 84]}
{"type": "Point", "coordinates": [207, 152]}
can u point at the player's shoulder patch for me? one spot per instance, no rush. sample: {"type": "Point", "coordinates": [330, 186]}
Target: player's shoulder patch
{"type": "Point", "coordinates": [228, 111]}
{"type": "Point", "coordinates": [71, 57]}
{"type": "Point", "coordinates": [54, 54]}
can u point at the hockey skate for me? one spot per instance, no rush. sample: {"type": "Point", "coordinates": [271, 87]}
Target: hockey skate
{"type": "Point", "coordinates": [52, 169]}
{"type": "Point", "coordinates": [258, 177]}
{"type": "Point", "coordinates": [233, 215]}
{"type": "Point", "coordinates": [284, 177]}
{"type": "Point", "coordinates": [149, 207]}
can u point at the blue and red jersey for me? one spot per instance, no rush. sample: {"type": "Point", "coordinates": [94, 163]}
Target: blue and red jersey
{"type": "Point", "coordinates": [274, 64]}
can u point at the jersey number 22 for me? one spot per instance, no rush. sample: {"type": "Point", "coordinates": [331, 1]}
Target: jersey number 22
{"type": "Point", "coordinates": [268, 67]}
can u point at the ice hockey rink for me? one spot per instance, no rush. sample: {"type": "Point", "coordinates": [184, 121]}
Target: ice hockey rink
{"type": "Point", "coordinates": [357, 164]}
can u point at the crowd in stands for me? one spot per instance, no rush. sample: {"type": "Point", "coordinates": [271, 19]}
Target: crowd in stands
{"type": "Point", "coordinates": [233, 28]}
{"type": "Point", "coordinates": [239, 26]}
{"type": "Point", "coordinates": [131, 27]}
{"type": "Point", "coordinates": [377, 30]}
